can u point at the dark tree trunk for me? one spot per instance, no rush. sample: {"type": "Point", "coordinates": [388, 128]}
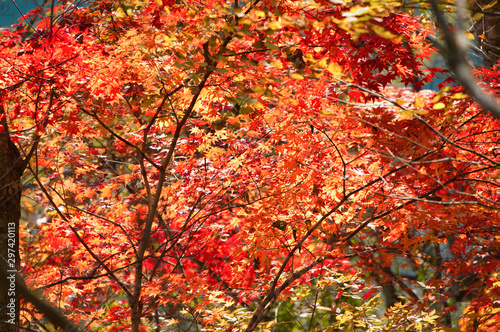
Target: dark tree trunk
{"type": "Point", "coordinates": [488, 27]}
{"type": "Point", "coordinates": [11, 169]}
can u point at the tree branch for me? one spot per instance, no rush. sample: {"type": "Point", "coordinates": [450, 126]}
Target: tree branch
{"type": "Point", "coordinates": [456, 49]}
{"type": "Point", "coordinates": [52, 314]}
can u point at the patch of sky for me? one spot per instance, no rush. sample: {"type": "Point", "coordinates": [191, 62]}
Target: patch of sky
{"type": "Point", "coordinates": [9, 14]}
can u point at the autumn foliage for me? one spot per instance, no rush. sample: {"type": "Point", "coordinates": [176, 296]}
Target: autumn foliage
{"type": "Point", "coordinates": [250, 165]}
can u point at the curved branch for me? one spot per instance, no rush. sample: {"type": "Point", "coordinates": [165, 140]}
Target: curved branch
{"type": "Point", "coordinates": [79, 238]}
{"type": "Point", "coordinates": [52, 314]}
{"type": "Point", "coordinates": [456, 48]}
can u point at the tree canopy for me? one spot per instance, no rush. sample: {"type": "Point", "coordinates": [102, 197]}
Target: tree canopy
{"type": "Point", "coordinates": [247, 166]}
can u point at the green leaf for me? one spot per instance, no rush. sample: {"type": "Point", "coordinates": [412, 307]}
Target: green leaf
{"type": "Point", "coordinates": [271, 46]}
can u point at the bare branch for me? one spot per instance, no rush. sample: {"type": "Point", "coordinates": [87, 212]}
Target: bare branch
{"type": "Point", "coordinates": [456, 49]}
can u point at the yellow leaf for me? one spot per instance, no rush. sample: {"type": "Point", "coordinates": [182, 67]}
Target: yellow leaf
{"type": "Point", "coordinates": [274, 25]}
{"type": "Point", "coordinates": [195, 130]}
{"type": "Point", "coordinates": [334, 69]}
{"type": "Point", "coordinates": [490, 5]}
{"type": "Point", "coordinates": [168, 39]}
{"type": "Point", "coordinates": [322, 63]}
{"type": "Point", "coordinates": [438, 106]}
{"type": "Point", "coordinates": [309, 57]}
{"type": "Point", "coordinates": [258, 89]}
{"type": "Point", "coordinates": [328, 112]}
{"type": "Point", "coordinates": [235, 163]}
{"type": "Point", "coordinates": [470, 35]}
{"type": "Point", "coordinates": [297, 76]}
{"type": "Point", "coordinates": [277, 64]}
{"type": "Point", "coordinates": [214, 153]}
{"type": "Point", "coordinates": [419, 103]}
{"type": "Point", "coordinates": [259, 105]}
{"type": "Point", "coordinates": [420, 112]}
{"type": "Point", "coordinates": [324, 308]}
{"type": "Point", "coordinates": [318, 24]}
{"type": "Point", "coordinates": [246, 21]}
{"type": "Point", "coordinates": [436, 99]}
{"type": "Point", "coordinates": [477, 16]}
{"type": "Point", "coordinates": [406, 114]}
{"type": "Point", "coordinates": [120, 12]}
{"type": "Point", "coordinates": [459, 95]}
{"type": "Point", "coordinates": [430, 317]}
{"type": "Point", "coordinates": [382, 32]}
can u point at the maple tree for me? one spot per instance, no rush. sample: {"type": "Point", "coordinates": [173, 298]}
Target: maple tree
{"type": "Point", "coordinates": [243, 166]}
